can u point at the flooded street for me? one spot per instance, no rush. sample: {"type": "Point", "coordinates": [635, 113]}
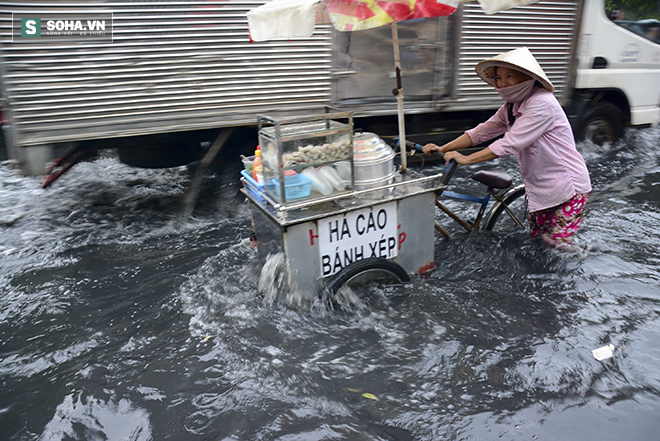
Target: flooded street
{"type": "Point", "coordinates": [120, 319]}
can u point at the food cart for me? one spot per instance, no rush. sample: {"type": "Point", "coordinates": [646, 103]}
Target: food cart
{"type": "Point", "coordinates": [373, 219]}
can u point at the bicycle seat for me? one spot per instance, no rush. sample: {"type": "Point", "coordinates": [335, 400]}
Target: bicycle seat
{"type": "Point", "coordinates": [493, 178]}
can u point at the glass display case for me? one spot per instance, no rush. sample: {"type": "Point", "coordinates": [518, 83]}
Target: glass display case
{"type": "Point", "coordinates": [300, 156]}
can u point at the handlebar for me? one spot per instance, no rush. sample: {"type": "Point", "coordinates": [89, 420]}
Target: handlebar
{"type": "Point", "coordinates": [451, 167]}
{"type": "Point", "coordinates": [418, 147]}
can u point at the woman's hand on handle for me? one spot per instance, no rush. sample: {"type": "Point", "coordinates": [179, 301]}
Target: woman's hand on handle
{"type": "Point", "coordinates": [461, 142]}
{"type": "Point", "coordinates": [430, 148]}
{"type": "Point", "coordinates": [461, 159]}
{"type": "Point", "coordinates": [480, 156]}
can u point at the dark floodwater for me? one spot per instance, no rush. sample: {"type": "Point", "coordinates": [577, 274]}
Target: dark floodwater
{"type": "Point", "coordinates": [121, 320]}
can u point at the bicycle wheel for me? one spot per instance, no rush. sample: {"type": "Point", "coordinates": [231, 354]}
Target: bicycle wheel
{"type": "Point", "coordinates": [365, 271]}
{"type": "Point", "coordinates": [500, 219]}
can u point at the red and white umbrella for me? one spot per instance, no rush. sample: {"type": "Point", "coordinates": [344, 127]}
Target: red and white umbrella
{"type": "Point", "coordinates": [287, 19]}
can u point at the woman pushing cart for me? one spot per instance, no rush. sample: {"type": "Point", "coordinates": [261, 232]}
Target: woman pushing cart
{"type": "Point", "coordinates": [537, 132]}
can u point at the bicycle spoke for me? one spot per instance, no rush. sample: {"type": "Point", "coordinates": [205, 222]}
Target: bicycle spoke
{"type": "Point", "coordinates": [509, 212]}
{"type": "Point", "coordinates": [513, 216]}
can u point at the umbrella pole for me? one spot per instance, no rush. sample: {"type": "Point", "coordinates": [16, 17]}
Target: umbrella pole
{"type": "Point", "coordinates": [399, 98]}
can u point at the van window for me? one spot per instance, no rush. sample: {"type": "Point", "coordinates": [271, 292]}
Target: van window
{"type": "Point", "coordinates": [639, 16]}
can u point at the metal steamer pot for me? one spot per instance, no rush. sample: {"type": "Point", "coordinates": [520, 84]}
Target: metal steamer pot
{"type": "Point", "coordinates": [373, 161]}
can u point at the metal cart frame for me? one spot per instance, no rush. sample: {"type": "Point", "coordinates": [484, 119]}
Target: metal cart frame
{"type": "Point", "coordinates": [324, 237]}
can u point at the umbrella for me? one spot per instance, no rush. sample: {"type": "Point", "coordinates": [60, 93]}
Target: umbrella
{"type": "Point", "coordinates": [286, 19]}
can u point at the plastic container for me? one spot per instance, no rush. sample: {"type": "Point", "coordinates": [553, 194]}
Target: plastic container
{"type": "Point", "coordinates": [343, 169]}
{"type": "Point", "coordinates": [319, 182]}
{"type": "Point", "coordinates": [332, 176]}
{"type": "Point", "coordinates": [296, 186]}
{"type": "Point", "coordinates": [247, 163]}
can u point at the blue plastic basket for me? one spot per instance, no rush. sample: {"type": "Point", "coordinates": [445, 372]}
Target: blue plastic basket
{"type": "Point", "coordinates": [253, 186]}
{"type": "Point", "coordinates": [295, 187]}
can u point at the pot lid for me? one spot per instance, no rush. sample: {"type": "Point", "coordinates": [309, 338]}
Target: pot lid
{"type": "Point", "coordinates": [369, 146]}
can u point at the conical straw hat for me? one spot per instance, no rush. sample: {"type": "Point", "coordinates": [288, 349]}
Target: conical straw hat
{"type": "Point", "coordinates": [520, 59]}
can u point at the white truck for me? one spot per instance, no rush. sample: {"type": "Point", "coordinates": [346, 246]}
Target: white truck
{"type": "Point", "coordinates": [167, 78]}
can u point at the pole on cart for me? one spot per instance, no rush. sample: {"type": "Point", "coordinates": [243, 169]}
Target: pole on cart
{"type": "Point", "coordinates": [398, 92]}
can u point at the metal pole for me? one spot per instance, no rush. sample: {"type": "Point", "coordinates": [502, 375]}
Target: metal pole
{"type": "Point", "coordinates": [190, 198]}
{"type": "Point", "coordinates": [399, 98]}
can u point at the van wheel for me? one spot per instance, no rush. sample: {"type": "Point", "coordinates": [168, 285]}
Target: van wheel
{"type": "Point", "coordinates": [600, 124]}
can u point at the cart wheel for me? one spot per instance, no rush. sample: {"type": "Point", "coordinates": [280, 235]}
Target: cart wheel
{"type": "Point", "coordinates": [367, 270]}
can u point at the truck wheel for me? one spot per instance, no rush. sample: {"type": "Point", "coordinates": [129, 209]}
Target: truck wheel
{"type": "Point", "coordinates": [600, 124]}
{"type": "Point", "coordinates": [367, 270]}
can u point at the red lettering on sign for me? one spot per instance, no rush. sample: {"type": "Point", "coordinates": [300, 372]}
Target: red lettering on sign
{"type": "Point", "coordinates": [312, 236]}
{"type": "Point", "coordinates": [402, 236]}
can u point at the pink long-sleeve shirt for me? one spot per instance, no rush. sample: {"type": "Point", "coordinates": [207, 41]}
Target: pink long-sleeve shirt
{"type": "Point", "coordinates": [541, 140]}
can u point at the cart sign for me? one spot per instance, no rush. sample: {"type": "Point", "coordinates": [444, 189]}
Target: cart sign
{"type": "Point", "coordinates": [357, 235]}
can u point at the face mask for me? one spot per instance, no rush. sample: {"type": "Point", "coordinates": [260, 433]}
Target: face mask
{"type": "Point", "coordinates": [515, 94]}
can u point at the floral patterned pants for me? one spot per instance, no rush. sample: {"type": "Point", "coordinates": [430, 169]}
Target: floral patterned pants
{"type": "Point", "coordinates": [558, 225]}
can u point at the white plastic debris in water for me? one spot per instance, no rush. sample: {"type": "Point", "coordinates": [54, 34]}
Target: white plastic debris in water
{"type": "Point", "coordinates": [603, 353]}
